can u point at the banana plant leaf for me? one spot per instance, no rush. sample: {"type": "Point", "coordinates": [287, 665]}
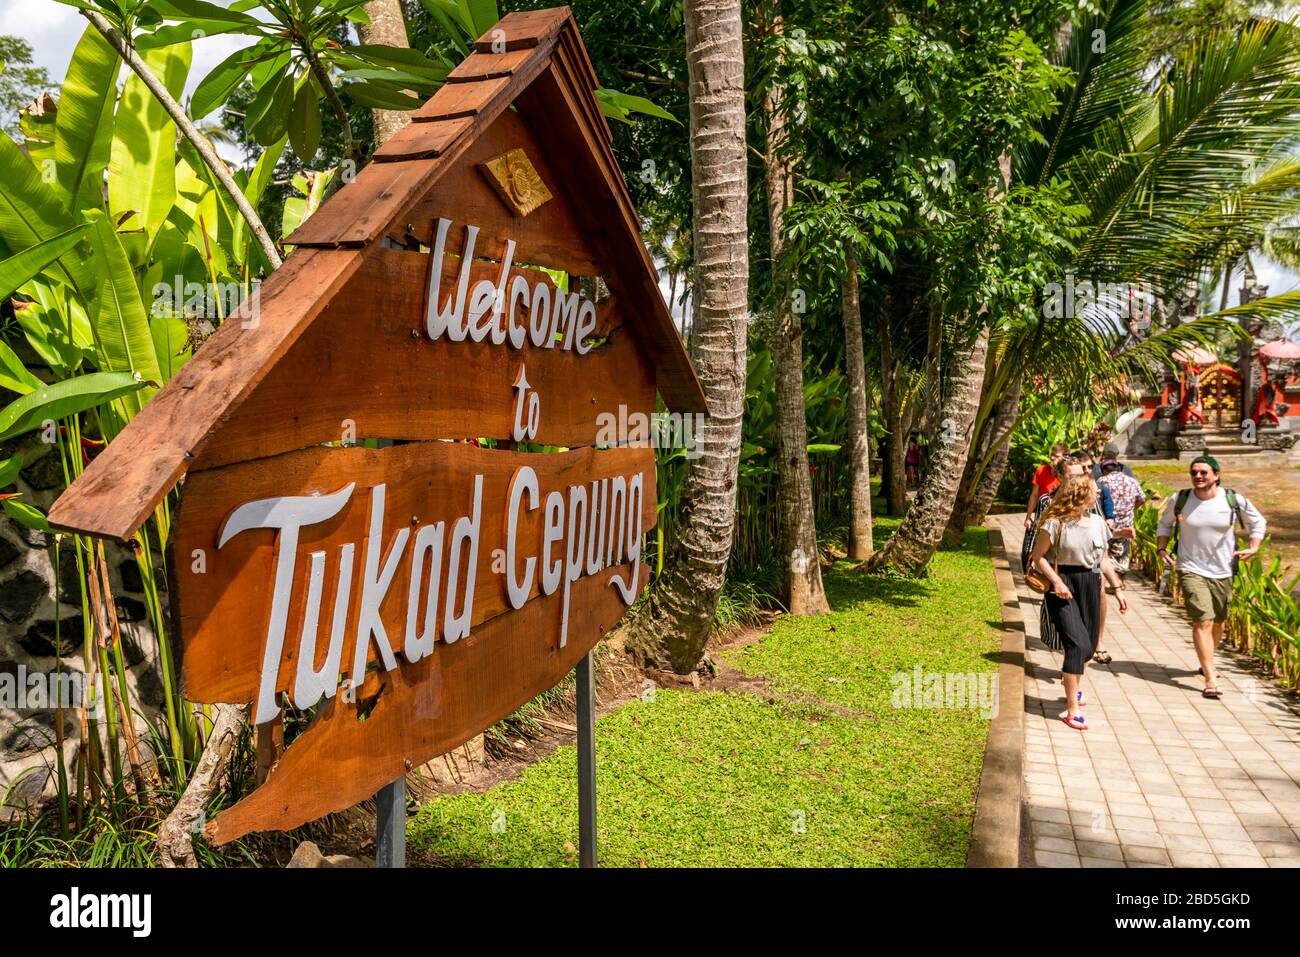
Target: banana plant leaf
{"type": "Point", "coordinates": [25, 514]}
{"type": "Point", "coordinates": [55, 324]}
{"type": "Point", "coordinates": [142, 165]}
{"type": "Point", "coordinates": [121, 323]}
{"type": "Point", "coordinates": [30, 210]}
{"type": "Point", "coordinates": [19, 269]}
{"type": "Point", "coordinates": [63, 399]}
{"type": "Point", "coordinates": [13, 374]}
{"type": "Point", "coordinates": [9, 470]}
{"type": "Point", "coordinates": [84, 124]}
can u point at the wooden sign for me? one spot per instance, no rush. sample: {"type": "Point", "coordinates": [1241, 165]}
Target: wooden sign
{"type": "Point", "coordinates": [478, 299]}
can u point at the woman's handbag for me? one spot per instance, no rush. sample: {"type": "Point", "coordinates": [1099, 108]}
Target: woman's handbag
{"type": "Point", "coordinates": [1038, 580]}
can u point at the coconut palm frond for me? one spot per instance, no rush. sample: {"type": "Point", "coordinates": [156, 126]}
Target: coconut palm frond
{"type": "Point", "coordinates": [1283, 308]}
{"type": "Point", "coordinates": [1281, 245]}
{"type": "Point", "coordinates": [1222, 232]}
{"type": "Point", "coordinates": [1233, 100]}
{"type": "Point", "coordinates": [1106, 54]}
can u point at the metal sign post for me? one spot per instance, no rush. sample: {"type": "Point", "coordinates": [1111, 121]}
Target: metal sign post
{"type": "Point", "coordinates": [390, 824]}
{"type": "Point", "coordinates": [586, 762]}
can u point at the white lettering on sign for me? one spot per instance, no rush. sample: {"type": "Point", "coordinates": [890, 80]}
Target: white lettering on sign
{"type": "Point", "coordinates": [525, 428]}
{"type": "Point", "coordinates": [478, 313]}
{"type": "Point", "coordinates": [585, 529]}
{"type": "Point", "coordinates": [288, 515]}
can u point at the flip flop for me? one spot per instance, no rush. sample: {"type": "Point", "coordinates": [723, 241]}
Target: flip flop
{"type": "Point", "coordinates": [1102, 658]}
{"type": "Point", "coordinates": [1213, 693]}
{"type": "Point", "coordinates": [1076, 721]}
{"type": "Point", "coordinates": [1078, 696]}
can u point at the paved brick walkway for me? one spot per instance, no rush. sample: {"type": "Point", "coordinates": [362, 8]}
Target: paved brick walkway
{"type": "Point", "coordinates": [1162, 776]}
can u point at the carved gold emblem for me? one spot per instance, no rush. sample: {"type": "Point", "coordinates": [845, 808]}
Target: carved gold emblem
{"type": "Point", "coordinates": [516, 181]}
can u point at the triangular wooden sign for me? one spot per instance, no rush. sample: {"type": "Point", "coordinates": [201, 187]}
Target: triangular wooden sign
{"type": "Point", "coordinates": [483, 279]}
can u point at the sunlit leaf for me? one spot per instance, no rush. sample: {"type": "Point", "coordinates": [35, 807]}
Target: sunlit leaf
{"type": "Point", "coordinates": [27, 515]}
{"type": "Point", "coordinates": [84, 125]}
{"type": "Point", "coordinates": [64, 399]}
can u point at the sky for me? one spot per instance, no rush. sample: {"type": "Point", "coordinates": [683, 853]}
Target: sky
{"type": "Point", "coordinates": [53, 29]}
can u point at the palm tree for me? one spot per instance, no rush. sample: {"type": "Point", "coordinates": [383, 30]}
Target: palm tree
{"type": "Point", "coordinates": [860, 546]}
{"type": "Point", "coordinates": [387, 26]}
{"type": "Point", "coordinates": [1165, 165]}
{"type": "Point", "coordinates": [671, 628]}
{"type": "Point", "coordinates": [798, 523]}
{"type": "Point", "coordinates": [911, 547]}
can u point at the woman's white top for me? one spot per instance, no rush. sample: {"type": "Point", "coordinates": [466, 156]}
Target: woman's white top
{"type": "Point", "coordinates": [1077, 543]}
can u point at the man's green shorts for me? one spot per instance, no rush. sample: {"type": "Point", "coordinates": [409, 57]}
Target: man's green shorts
{"type": "Point", "coordinates": [1207, 599]}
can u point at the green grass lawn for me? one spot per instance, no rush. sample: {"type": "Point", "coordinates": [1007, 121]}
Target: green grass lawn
{"type": "Point", "coordinates": [822, 771]}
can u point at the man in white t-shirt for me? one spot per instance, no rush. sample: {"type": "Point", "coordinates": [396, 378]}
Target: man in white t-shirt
{"type": "Point", "coordinates": [1207, 546]}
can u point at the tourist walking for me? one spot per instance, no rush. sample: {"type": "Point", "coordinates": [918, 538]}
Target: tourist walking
{"type": "Point", "coordinates": [1071, 551]}
{"type": "Point", "coordinates": [1066, 469]}
{"type": "Point", "coordinates": [1059, 470]}
{"type": "Point", "coordinates": [1105, 504]}
{"type": "Point", "coordinates": [1106, 507]}
{"type": "Point", "coordinates": [1127, 497]}
{"type": "Point", "coordinates": [912, 463]}
{"type": "Point", "coordinates": [1202, 522]}
{"type": "Point", "coordinates": [1045, 482]}
{"type": "Point", "coordinates": [1110, 457]}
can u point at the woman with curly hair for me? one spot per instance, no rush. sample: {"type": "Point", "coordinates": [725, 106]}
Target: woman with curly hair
{"type": "Point", "coordinates": [1061, 470]}
{"type": "Point", "coordinates": [1070, 550]}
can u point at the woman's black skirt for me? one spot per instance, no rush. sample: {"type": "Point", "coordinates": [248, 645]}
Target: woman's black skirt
{"type": "Point", "coordinates": [1074, 624]}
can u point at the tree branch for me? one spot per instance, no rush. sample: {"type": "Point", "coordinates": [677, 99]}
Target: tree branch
{"type": "Point", "coordinates": [647, 78]}
{"type": "Point", "coordinates": [176, 833]}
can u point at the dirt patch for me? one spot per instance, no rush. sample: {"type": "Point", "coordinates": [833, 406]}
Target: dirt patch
{"type": "Point", "coordinates": [1274, 490]}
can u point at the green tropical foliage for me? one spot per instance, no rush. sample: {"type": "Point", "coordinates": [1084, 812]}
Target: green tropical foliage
{"type": "Point", "coordinates": [99, 211]}
{"type": "Point", "coordinates": [970, 159]}
{"type": "Point", "coordinates": [20, 81]}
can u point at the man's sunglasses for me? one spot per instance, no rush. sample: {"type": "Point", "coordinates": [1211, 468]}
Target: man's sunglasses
{"type": "Point", "coordinates": [1204, 473]}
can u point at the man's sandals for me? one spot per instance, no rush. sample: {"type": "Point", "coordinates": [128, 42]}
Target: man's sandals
{"type": "Point", "coordinates": [1102, 658]}
{"type": "Point", "coordinates": [1212, 693]}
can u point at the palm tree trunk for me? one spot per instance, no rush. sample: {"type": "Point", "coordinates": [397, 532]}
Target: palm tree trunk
{"type": "Point", "coordinates": [803, 574]}
{"type": "Point", "coordinates": [987, 489]}
{"type": "Point", "coordinates": [954, 461]}
{"type": "Point", "coordinates": [673, 625]}
{"type": "Point", "coordinates": [992, 477]}
{"type": "Point", "coordinates": [859, 448]}
{"type": "Point", "coordinates": [896, 432]}
{"type": "Point", "coordinates": [980, 485]}
{"type": "Point", "coordinates": [932, 394]}
{"type": "Point", "coordinates": [910, 549]}
{"type": "Point", "coordinates": [387, 26]}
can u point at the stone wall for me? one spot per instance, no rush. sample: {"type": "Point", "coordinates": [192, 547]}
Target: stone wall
{"type": "Point", "coordinates": [1137, 441]}
{"type": "Point", "coordinates": [30, 604]}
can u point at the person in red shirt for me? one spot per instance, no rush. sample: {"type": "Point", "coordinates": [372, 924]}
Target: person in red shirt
{"type": "Point", "coordinates": [1045, 482]}
{"type": "Point", "coordinates": [913, 463]}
